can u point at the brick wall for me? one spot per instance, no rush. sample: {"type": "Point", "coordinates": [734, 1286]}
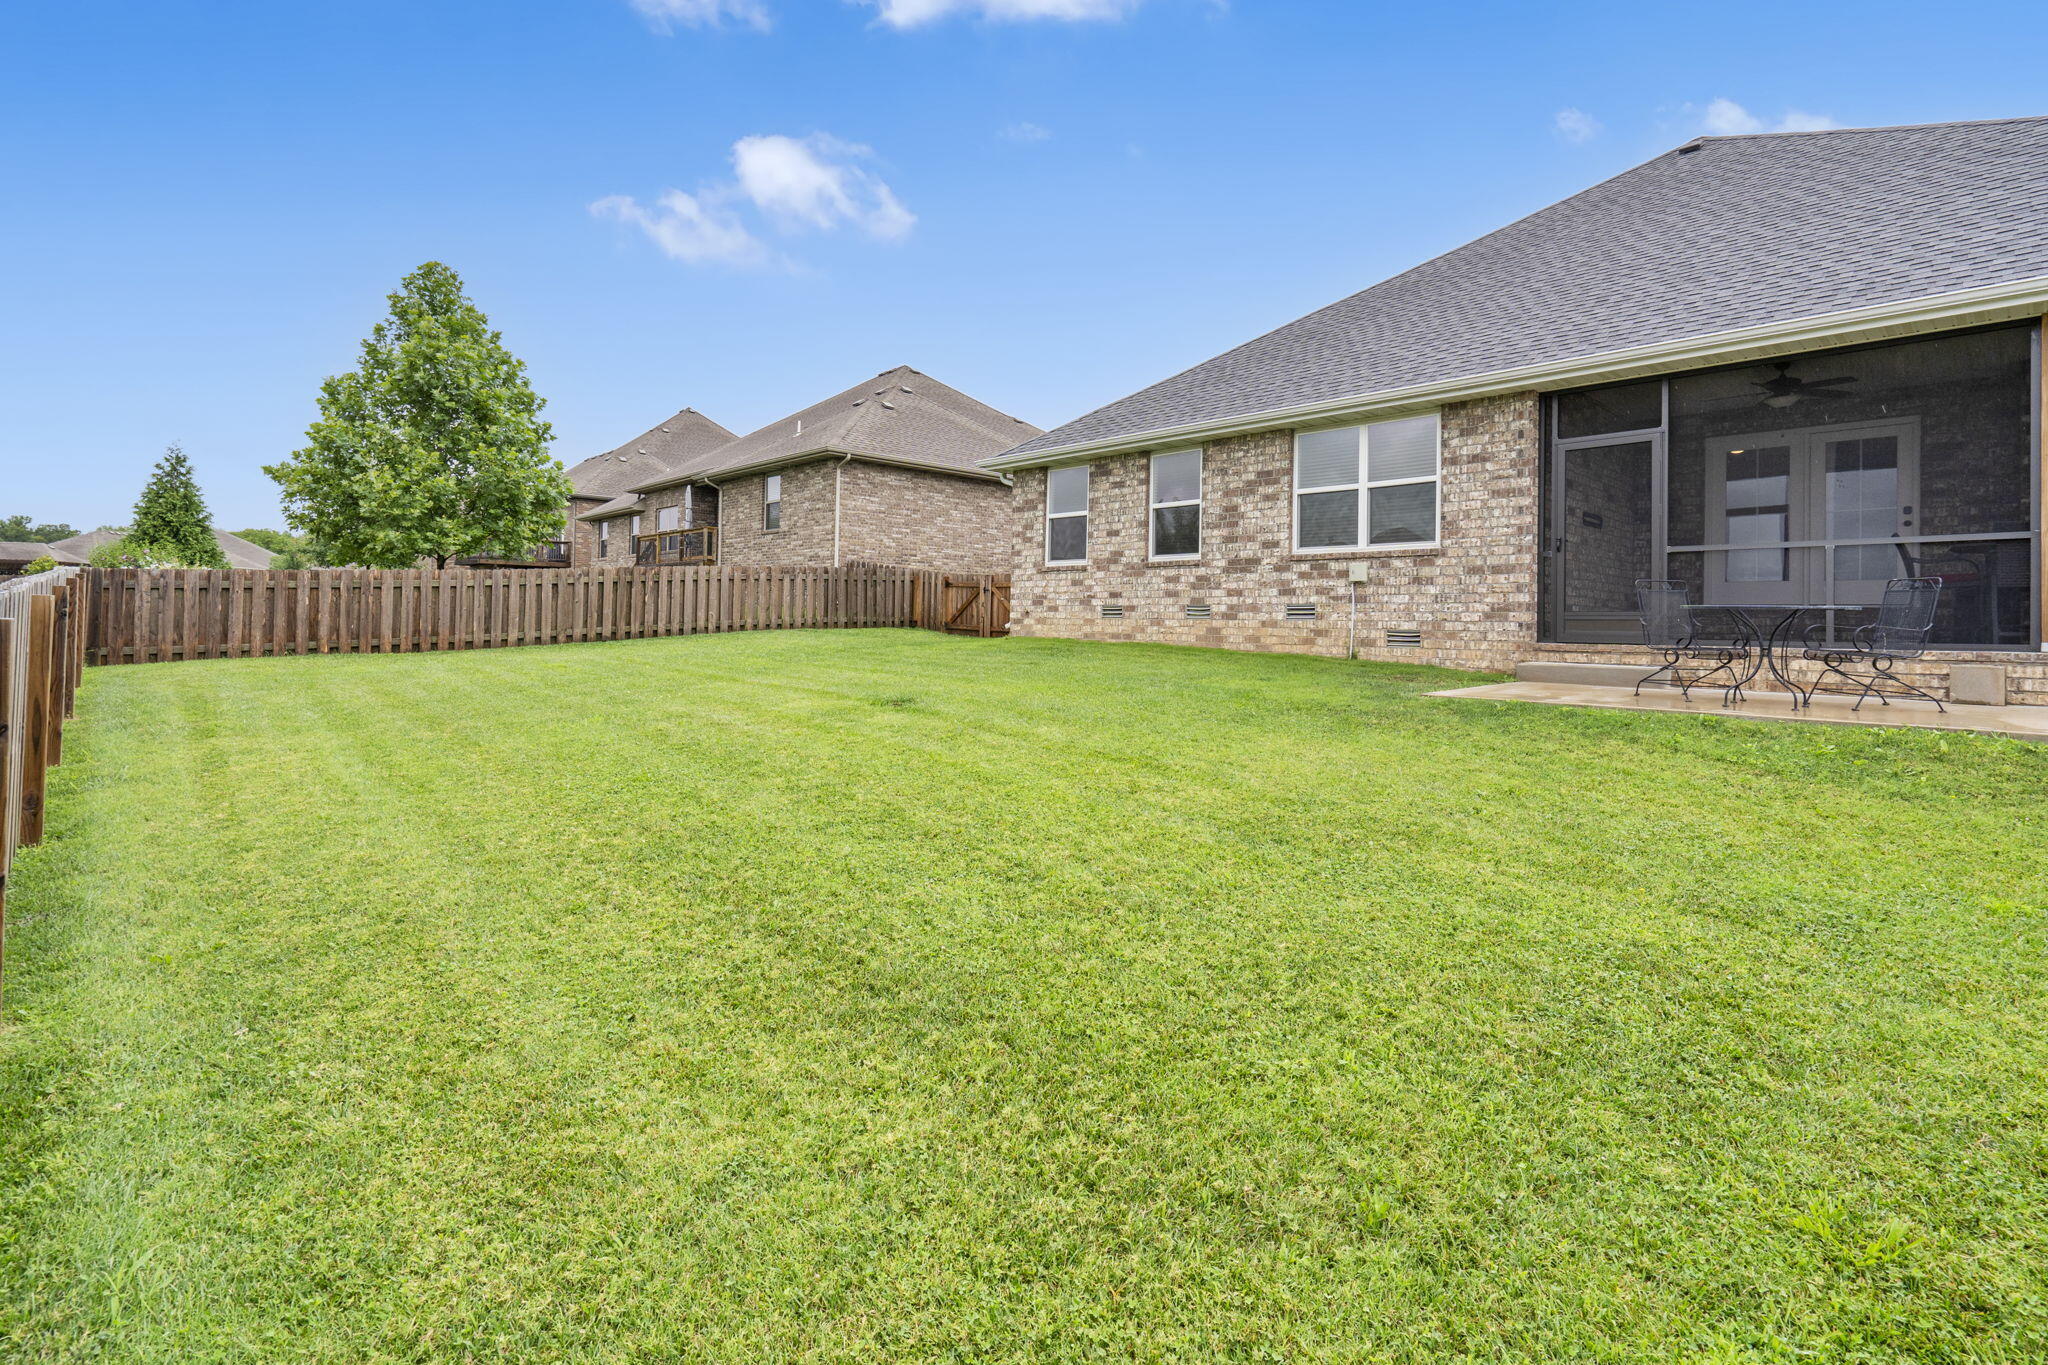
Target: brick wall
{"type": "Point", "coordinates": [1473, 599]}
{"type": "Point", "coordinates": [581, 535]}
{"type": "Point", "coordinates": [886, 515]}
{"type": "Point", "coordinates": [804, 539]}
{"type": "Point", "coordinates": [921, 520]}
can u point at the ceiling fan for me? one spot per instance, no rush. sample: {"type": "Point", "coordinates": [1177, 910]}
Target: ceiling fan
{"type": "Point", "coordinates": [1782, 390]}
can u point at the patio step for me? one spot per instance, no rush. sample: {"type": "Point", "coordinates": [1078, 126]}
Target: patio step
{"type": "Point", "coordinates": [1581, 675]}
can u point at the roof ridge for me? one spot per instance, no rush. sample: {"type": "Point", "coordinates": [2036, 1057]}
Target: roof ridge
{"type": "Point", "coordinates": [1865, 128]}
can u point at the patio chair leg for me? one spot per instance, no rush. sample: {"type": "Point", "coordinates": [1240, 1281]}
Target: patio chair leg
{"type": "Point", "coordinates": [1670, 666]}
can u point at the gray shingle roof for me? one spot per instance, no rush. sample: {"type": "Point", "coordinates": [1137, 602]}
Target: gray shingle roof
{"type": "Point", "coordinates": [1736, 232]}
{"type": "Point", "coordinates": [28, 551]}
{"type": "Point", "coordinates": [240, 553]}
{"type": "Point", "coordinates": [899, 415]}
{"type": "Point", "coordinates": [662, 449]}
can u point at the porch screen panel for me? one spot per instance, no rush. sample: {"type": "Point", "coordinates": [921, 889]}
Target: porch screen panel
{"type": "Point", "coordinates": [1813, 479]}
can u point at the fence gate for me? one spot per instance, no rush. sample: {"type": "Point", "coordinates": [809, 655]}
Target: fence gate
{"type": "Point", "coordinates": [979, 605]}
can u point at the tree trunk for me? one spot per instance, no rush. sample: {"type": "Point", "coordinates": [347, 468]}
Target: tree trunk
{"type": "Point", "coordinates": [440, 561]}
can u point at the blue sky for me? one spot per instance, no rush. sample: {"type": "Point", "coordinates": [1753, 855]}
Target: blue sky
{"type": "Point", "coordinates": [746, 205]}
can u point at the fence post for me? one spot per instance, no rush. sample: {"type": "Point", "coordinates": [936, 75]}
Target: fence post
{"type": "Point", "coordinates": [42, 621]}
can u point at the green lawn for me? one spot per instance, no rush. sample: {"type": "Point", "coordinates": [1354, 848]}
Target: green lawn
{"type": "Point", "coordinates": [882, 996]}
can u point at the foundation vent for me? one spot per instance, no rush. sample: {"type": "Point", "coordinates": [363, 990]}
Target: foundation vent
{"type": "Point", "coordinates": [1113, 611]}
{"type": "Point", "coordinates": [1198, 611]}
{"type": "Point", "coordinates": [1300, 611]}
{"type": "Point", "coordinates": [1404, 639]}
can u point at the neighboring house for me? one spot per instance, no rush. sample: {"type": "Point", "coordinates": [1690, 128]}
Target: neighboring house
{"type": "Point", "coordinates": [606, 480]}
{"type": "Point", "coordinates": [16, 555]}
{"type": "Point", "coordinates": [240, 553]}
{"type": "Point", "coordinates": [1780, 368]}
{"type": "Point", "coordinates": [886, 472]}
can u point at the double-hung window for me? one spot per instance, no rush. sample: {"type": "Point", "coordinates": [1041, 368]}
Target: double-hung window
{"type": "Point", "coordinates": [1368, 486]}
{"type": "Point", "coordinates": [771, 503]}
{"type": "Point", "coordinates": [1177, 505]}
{"type": "Point", "coordinates": [668, 518]}
{"type": "Point", "coordinates": [604, 539]}
{"type": "Point", "coordinates": [1066, 515]}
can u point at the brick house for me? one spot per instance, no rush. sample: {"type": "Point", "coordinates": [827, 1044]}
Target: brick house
{"type": "Point", "coordinates": [605, 480]}
{"type": "Point", "coordinates": [886, 472]}
{"type": "Point", "coordinates": [1777, 368]}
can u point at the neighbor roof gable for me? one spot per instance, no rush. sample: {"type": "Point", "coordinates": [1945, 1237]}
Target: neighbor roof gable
{"type": "Point", "coordinates": [661, 449]}
{"type": "Point", "coordinates": [900, 415]}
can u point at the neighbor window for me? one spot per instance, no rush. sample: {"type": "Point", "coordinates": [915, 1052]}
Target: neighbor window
{"type": "Point", "coordinates": [636, 526]}
{"type": "Point", "coordinates": [1372, 485]}
{"type": "Point", "coordinates": [1177, 505]}
{"type": "Point", "coordinates": [668, 518]}
{"type": "Point", "coordinates": [771, 503]}
{"type": "Point", "coordinates": [604, 539]}
{"type": "Point", "coordinates": [1066, 515]}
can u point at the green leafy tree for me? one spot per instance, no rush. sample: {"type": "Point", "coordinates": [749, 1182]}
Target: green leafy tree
{"type": "Point", "coordinates": [40, 564]}
{"type": "Point", "coordinates": [277, 542]}
{"type": "Point", "coordinates": [290, 551]}
{"type": "Point", "coordinates": [432, 447]}
{"type": "Point", "coordinates": [171, 523]}
{"type": "Point", "coordinates": [21, 528]}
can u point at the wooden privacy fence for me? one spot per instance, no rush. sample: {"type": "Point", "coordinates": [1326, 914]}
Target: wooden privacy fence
{"type": "Point", "coordinates": [42, 651]}
{"type": "Point", "coordinates": [159, 615]}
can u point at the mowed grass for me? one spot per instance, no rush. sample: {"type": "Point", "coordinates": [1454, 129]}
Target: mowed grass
{"type": "Point", "coordinates": [882, 996]}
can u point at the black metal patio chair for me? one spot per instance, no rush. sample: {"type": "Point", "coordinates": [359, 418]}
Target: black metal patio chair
{"type": "Point", "coordinates": [1864, 663]}
{"type": "Point", "coordinates": [1671, 628]}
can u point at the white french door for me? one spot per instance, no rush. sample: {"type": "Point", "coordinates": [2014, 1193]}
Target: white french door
{"type": "Point", "coordinates": [1791, 514]}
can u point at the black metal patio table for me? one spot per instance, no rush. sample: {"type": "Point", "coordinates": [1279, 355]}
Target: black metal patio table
{"type": "Point", "coordinates": [1769, 644]}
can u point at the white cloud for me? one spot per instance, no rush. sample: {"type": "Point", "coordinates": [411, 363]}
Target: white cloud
{"type": "Point", "coordinates": [666, 14]}
{"type": "Point", "coordinates": [1576, 125]}
{"type": "Point", "coordinates": [1799, 121]}
{"type": "Point", "coordinates": [793, 184]}
{"type": "Point", "coordinates": [1725, 118]}
{"type": "Point", "coordinates": [688, 228]}
{"type": "Point", "coordinates": [911, 13]}
{"type": "Point", "coordinates": [1025, 132]}
{"type": "Point", "coordinates": [816, 182]}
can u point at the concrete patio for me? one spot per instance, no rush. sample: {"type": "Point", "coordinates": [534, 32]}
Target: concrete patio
{"type": "Point", "coordinates": [2014, 722]}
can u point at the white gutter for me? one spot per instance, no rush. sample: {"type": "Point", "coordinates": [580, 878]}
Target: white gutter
{"type": "Point", "coordinates": [1985, 304]}
{"type": "Point", "coordinates": [824, 453]}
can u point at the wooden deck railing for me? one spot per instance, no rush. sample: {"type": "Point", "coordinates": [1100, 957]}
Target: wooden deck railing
{"type": "Point", "coordinates": [697, 545]}
{"type": "Point", "coordinates": [161, 615]}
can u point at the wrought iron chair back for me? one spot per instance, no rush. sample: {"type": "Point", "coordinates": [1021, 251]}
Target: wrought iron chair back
{"type": "Point", "coordinates": [1905, 618]}
{"type": "Point", "coordinates": [1661, 602]}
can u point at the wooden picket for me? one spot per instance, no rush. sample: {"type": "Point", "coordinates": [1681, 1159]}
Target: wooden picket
{"type": "Point", "coordinates": [44, 619]}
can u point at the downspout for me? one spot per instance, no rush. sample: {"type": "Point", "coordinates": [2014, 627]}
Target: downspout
{"type": "Point", "coordinates": [836, 471]}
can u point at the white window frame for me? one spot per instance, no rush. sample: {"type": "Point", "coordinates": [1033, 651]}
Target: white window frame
{"type": "Point", "coordinates": [1152, 505]}
{"type": "Point", "coordinates": [1363, 487]}
{"type": "Point", "coordinates": [604, 538]}
{"type": "Point", "coordinates": [662, 514]}
{"type": "Point", "coordinates": [636, 527]}
{"type": "Point", "coordinates": [771, 499]}
{"type": "Point", "coordinates": [1087, 509]}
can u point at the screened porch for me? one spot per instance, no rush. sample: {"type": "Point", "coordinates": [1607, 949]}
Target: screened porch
{"type": "Point", "coordinates": [1810, 480]}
